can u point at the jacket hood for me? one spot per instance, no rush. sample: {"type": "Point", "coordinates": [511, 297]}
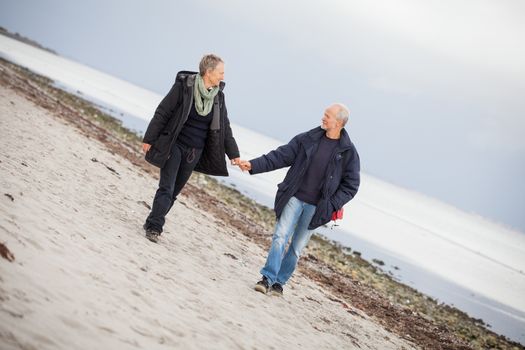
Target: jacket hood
{"type": "Point", "coordinates": [189, 77]}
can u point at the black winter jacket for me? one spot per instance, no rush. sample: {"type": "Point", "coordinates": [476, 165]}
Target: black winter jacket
{"type": "Point", "coordinates": [169, 118]}
{"type": "Point", "coordinates": [341, 180]}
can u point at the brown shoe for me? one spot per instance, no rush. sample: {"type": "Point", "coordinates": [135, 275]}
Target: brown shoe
{"type": "Point", "coordinates": [153, 235]}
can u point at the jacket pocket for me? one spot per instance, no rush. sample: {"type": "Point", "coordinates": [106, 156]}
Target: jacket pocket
{"type": "Point", "coordinates": [152, 157]}
{"type": "Point", "coordinates": [323, 213]}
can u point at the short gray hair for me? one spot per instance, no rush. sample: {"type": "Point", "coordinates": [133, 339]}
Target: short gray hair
{"type": "Point", "coordinates": [343, 113]}
{"type": "Point", "coordinates": [209, 61]}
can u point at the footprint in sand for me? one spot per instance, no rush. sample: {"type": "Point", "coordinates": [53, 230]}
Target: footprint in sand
{"type": "Point", "coordinates": [143, 331]}
{"type": "Point", "coordinates": [132, 277]}
{"type": "Point", "coordinates": [106, 329]}
{"type": "Point", "coordinates": [43, 340]}
{"type": "Point", "coordinates": [72, 323]}
{"type": "Point", "coordinates": [175, 332]}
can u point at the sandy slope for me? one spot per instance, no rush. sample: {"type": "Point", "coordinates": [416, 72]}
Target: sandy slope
{"type": "Point", "coordinates": [85, 277]}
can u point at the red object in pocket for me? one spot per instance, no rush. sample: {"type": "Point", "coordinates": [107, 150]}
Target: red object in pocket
{"type": "Point", "coordinates": [337, 215]}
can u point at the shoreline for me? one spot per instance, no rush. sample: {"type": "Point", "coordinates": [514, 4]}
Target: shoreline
{"type": "Point", "coordinates": [356, 283]}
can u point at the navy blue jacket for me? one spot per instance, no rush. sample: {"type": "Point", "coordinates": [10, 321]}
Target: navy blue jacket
{"type": "Point", "coordinates": [341, 181]}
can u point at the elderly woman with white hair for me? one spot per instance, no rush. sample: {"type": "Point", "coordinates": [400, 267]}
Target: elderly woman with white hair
{"type": "Point", "coordinates": [189, 131]}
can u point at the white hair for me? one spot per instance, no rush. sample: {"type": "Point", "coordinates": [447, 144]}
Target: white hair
{"type": "Point", "coordinates": [343, 113]}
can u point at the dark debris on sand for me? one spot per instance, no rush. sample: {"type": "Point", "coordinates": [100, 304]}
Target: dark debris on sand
{"type": "Point", "coordinates": [6, 253]}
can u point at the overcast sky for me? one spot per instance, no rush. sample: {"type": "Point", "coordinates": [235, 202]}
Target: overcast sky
{"type": "Point", "coordinates": [436, 88]}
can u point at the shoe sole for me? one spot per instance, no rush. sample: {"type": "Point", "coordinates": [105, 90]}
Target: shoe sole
{"type": "Point", "coordinates": [277, 294]}
{"type": "Point", "coordinates": [261, 289]}
{"type": "Point", "coordinates": [154, 239]}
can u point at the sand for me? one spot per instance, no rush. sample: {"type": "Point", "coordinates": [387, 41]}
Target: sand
{"type": "Point", "coordinates": [84, 276]}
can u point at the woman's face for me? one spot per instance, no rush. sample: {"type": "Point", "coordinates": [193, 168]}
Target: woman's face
{"type": "Point", "coordinates": [216, 75]}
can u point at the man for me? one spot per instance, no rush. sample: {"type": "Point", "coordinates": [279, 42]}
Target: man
{"type": "Point", "coordinates": [323, 176]}
{"type": "Point", "coordinates": [189, 131]}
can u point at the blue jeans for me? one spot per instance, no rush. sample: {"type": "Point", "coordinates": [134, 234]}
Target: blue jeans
{"type": "Point", "coordinates": [294, 221]}
{"type": "Point", "coordinates": [173, 177]}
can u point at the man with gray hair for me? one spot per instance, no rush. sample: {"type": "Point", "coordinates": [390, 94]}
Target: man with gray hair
{"type": "Point", "coordinates": [323, 176]}
{"type": "Point", "coordinates": [190, 130]}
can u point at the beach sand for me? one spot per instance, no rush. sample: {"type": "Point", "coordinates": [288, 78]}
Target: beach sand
{"type": "Point", "coordinates": [85, 277]}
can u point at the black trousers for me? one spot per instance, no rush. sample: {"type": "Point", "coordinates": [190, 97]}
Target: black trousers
{"type": "Point", "coordinates": [173, 177]}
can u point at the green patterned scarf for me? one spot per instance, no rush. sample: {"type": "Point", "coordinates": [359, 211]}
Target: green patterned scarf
{"type": "Point", "coordinates": [203, 97]}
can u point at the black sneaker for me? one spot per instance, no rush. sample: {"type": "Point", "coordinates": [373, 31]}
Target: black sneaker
{"type": "Point", "coordinates": [263, 285]}
{"type": "Point", "coordinates": [277, 289]}
{"type": "Point", "coordinates": [152, 234]}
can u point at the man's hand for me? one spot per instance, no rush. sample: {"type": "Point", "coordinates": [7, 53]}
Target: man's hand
{"type": "Point", "coordinates": [146, 147]}
{"type": "Point", "coordinates": [245, 165]}
{"type": "Point", "coordinates": [236, 161]}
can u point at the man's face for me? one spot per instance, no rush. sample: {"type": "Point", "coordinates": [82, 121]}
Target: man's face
{"type": "Point", "coordinates": [216, 75]}
{"type": "Point", "coordinates": [329, 121]}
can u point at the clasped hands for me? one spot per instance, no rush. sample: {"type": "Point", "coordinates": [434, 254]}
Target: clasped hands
{"type": "Point", "coordinates": [244, 165]}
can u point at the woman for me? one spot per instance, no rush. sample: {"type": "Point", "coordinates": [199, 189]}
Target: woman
{"type": "Point", "coordinates": [189, 131]}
